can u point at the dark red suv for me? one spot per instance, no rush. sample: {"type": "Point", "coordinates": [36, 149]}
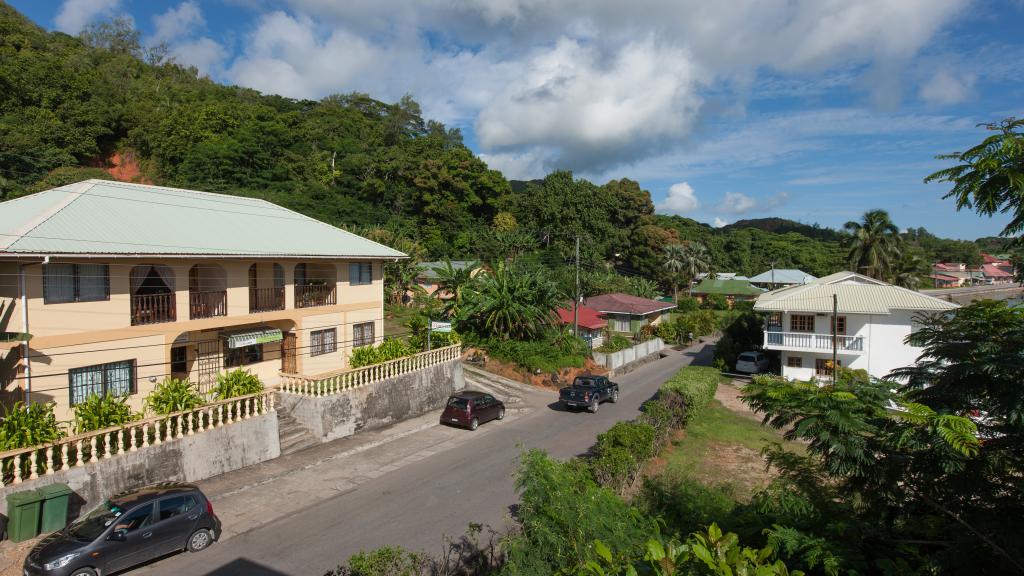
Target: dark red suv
{"type": "Point", "coordinates": [470, 408]}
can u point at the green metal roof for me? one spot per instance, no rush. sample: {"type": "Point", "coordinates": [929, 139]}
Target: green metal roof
{"type": "Point", "coordinates": [427, 269]}
{"type": "Point", "coordinates": [98, 217]}
{"type": "Point", "coordinates": [729, 287]}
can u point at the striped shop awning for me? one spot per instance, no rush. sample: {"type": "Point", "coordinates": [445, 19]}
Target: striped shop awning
{"type": "Point", "coordinates": [253, 336]}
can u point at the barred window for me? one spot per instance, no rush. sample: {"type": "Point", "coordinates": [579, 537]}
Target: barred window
{"type": "Point", "coordinates": [794, 362]}
{"type": "Point", "coordinates": [801, 323]}
{"type": "Point", "coordinates": [360, 273]}
{"type": "Point", "coordinates": [362, 334]}
{"type": "Point", "coordinates": [235, 357]}
{"type": "Point", "coordinates": [323, 342]}
{"type": "Point", "coordinates": [113, 379]}
{"type": "Point", "coordinates": [75, 283]}
{"type": "Point", "coordinates": [840, 324]}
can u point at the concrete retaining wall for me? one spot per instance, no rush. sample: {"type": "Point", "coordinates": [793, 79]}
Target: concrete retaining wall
{"type": "Point", "coordinates": [188, 459]}
{"type": "Point", "coordinates": [375, 405]}
{"type": "Point", "coordinates": [618, 359]}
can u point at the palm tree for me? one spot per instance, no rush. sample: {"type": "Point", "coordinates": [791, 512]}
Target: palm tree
{"type": "Point", "coordinates": [908, 271]}
{"type": "Point", "coordinates": [689, 259]}
{"type": "Point", "coordinates": [675, 262]}
{"type": "Point", "coordinates": [451, 285]}
{"type": "Point", "coordinates": [510, 302]}
{"type": "Point", "coordinates": [874, 244]}
{"type": "Point", "coordinates": [643, 287]}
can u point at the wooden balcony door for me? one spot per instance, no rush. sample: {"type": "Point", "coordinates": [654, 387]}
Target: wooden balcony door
{"type": "Point", "coordinates": [289, 345]}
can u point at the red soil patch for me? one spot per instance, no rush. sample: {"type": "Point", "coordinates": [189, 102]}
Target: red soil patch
{"type": "Point", "coordinates": [125, 168]}
{"type": "Point", "coordinates": [542, 380]}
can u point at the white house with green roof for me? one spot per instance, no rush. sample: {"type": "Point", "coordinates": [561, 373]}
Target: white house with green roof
{"type": "Point", "coordinates": [120, 285]}
{"type": "Point", "coordinates": [874, 318]}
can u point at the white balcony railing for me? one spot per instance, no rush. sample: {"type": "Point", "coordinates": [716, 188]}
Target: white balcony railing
{"type": "Point", "coordinates": [338, 381]}
{"type": "Point", "coordinates": [810, 341]}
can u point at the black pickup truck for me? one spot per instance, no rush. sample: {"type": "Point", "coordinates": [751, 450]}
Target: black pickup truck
{"type": "Point", "coordinates": [589, 392]}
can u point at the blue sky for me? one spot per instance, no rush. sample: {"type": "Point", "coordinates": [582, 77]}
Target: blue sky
{"type": "Point", "coordinates": [815, 110]}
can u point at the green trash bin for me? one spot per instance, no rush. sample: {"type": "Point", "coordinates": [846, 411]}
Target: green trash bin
{"type": "Point", "coordinates": [55, 507]}
{"type": "Point", "coordinates": [23, 515]}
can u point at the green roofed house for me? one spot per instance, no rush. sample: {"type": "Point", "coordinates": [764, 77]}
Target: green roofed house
{"type": "Point", "coordinates": [426, 277]}
{"type": "Point", "coordinates": [733, 290]}
{"type": "Point", "coordinates": [121, 285]}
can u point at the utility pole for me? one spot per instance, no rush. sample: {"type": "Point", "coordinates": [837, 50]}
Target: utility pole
{"type": "Point", "coordinates": [429, 329]}
{"type": "Point", "coordinates": [835, 337]}
{"type": "Point", "coordinates": [773, 274]}
{"type": "Point", "coordinates": [576, 297]}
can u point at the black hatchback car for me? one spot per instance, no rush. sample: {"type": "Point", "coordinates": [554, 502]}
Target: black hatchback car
{"type": "Point", "coordinates": [127, 530]}
{"type": "Point", "coordinates": [470, 408]}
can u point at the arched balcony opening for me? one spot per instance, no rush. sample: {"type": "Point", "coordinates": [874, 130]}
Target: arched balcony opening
{"type": "Point", "coordinates": [207, 291]}
{"type": "Point", "coordinates": [152, 294]}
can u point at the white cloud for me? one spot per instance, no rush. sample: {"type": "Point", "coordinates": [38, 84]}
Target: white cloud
{"type": "Point", "coordinates": [177, 22]}
{"type": "Point", "coordinates": [719, 223]}
{"type": "Point", "coordinates": [76, 14]}
{"type": "Point", "coordinates": [588, 85]}
{"type": "Point", "coordinates": [681, 198]}
{"type": "Point", "coordinates": [945, 88]}
{"type": "Point", "coordinates": [205, 54]}
{"type": "Point", "coordinates": [528, 165]}
{"type": "Point", "coordinates": [739, 203]}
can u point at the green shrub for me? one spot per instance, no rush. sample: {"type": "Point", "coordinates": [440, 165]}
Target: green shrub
{"type": "Point", "coordinates": [173, 395]}
{"type": "Point", "coordinates": [699, 323]}
{"type": "Point", "coordinates": [668, 331]}
{"type": "Point", "coordinates": [98, 412]}
{"type": "Point", "coordinates": [389, 349]}
{"type": "Point", "coordinates": [664, 414]}
{"type": "Point", "coordinates": [696, 385]}
{"type": "Point", "coordinates": [687, 304]}
{"type": "Point", "coordinates": [549, 355]}
{"type": "Point", "coordinates": [384, 561]}
{"type": "Point", "coordinates": [614, 468]}
{"type": "Point", "coordinates": [743, 305]}
{"type": "Point", "coordinates": [716, 302]}
{"type": "Point", "coordinates": [236, 383]}
{"type": "Point", "coordinates": [614, 344]}
{"type": "Point", "coordinates": [23, 426]}
{"type": "Point", "coordinates": [561, 512]}
{"type": "Point", "coordinates": [637, 438]}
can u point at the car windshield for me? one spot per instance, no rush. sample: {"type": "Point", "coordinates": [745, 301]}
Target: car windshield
{"type": "Point", "coordinates": [458, 402]}
{"type": "Point", "coordinates": [747, 357]}
{"type": "Point", "coordinates": [90, 526]}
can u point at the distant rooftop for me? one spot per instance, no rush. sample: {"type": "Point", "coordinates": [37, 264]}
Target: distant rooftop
{"type": "Point", "coordinates": [727, 287]}
{"type": "Point", "coordinates": [783, 276]}
{"type": "Point", "coordinates": [427, 268]}
{"type": "Point", "coordinates": [618, 303]}
{"type": "Point", "coordinates": [99, 217]}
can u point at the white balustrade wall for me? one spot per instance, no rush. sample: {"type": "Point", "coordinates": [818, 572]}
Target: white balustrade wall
{"type": "Point", "coordinates": [331, 383]}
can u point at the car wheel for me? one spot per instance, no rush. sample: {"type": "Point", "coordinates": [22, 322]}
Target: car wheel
{"type": "Point", "coordinates": [501, 413]}
{"type": "Point", "coordinates": [199, 540]}
{"type": "Point", "coordinates": [594, 406]}
{"type": "Point", "coordinates": [84, 572]}
{"type": "Point", "coordinates": [615, 396]}
{"type": "Point", "coordinates": [474, 424]}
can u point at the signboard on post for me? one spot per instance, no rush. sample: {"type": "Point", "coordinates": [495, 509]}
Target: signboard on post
{"type": "Point", "coordinates": [441, 327]}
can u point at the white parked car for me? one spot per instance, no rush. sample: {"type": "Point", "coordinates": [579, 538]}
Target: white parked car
{"type": "Point", "coordinates": [752, 363]}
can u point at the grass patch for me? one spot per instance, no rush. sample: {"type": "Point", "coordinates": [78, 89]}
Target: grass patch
{"type": "Point", "coordinates": [723, 447]}
{"type": "Point", "coordinates": [395, 318]}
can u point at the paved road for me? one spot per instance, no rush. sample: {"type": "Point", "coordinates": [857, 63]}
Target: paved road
{"type": "Point", "coordinates": [416, 505]}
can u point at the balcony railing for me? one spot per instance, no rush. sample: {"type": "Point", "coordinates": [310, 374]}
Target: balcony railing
{"type": "Point", "coordinates": [809, 341]}
{"type": "Point", "coordinates": [309, 295]}
{"type": "Point", "coordinates": [153, 308]}
{"type": "Point", "coordinates": [207, 304]}
{"type": "Point", "coordinates": [266, 299]}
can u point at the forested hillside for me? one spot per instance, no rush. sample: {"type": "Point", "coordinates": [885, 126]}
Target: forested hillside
{"type": "Point", "coordinates": [71, 108]}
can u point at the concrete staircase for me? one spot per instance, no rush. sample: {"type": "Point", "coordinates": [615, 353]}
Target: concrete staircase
{"type": "Point", "coordinates": [292, 435]}
{"type": "Point", "coordinates": [504, 389]}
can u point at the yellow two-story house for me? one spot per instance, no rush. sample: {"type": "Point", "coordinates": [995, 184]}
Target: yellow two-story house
{"type": "Point", "coordinates": [110, 287]}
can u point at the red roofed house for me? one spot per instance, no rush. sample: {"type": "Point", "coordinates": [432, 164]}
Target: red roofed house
{"type": "Point", "coordinates": [944, 281]}
{"type": "Point", "coordinates": [1002, 262]}
{"type": "Point", "coordinates": [591, 323]}
{"type": "Point", "coordinates": [628, 313]}
{"type": "Point", "coordinates": [996, 275]}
